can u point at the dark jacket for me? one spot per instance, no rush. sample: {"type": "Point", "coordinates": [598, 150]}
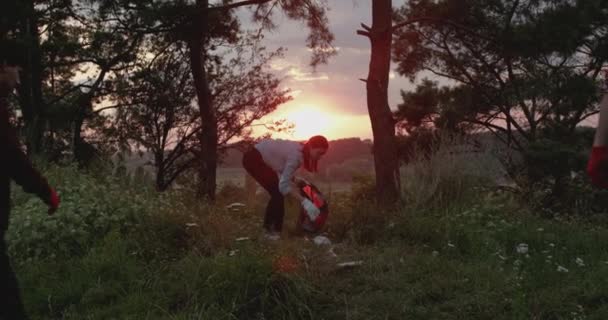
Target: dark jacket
{"type": "Point", "coordinates": [14, 165]}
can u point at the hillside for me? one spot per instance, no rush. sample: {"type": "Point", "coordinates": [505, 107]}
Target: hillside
{"type": "Point", "coordinates": [339, 151]}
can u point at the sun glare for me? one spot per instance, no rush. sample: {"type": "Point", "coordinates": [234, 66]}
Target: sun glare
{"type": "Point", "coordinates": [309, 121]}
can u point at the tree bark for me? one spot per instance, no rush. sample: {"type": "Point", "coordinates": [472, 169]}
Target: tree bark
{"type": "Point", "coordinates": [160, 171]}
{"type": "Point", "coordinates": [78, 142]}
{"type": "Point", "coordinates": [383, 125]}
{"type": "Point", "coordinates": [30, 92]}
{"type": "Point", "coordinates": [207, 165]}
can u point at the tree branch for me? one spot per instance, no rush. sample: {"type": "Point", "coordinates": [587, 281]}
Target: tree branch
{"type": "Point", "coordinates": [440, 21]}
{"type": "Point", "coordinates": [364, 33]}
{"type": "Point", "coordinates": [238, 4]}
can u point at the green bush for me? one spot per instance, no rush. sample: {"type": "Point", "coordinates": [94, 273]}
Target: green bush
{"type": "Point", "coordinates": [575, 196]}
{"type": "Point", "coordinates": [90, 208]}
{"type": "Point", "coordinates": [553, 178]}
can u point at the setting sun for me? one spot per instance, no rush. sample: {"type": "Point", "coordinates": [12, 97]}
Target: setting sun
{"type": "Point", "coordinates": [309, 121]}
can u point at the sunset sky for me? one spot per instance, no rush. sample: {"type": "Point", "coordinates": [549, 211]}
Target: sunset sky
{"type": "Point", "coordinates": [333, 98]}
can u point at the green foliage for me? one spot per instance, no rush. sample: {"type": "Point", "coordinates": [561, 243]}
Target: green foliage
{"type": "Point", "coordinates": [364, 219]}
{"type": "Point", "coordinates": [431, 106]}
{"type": "Point", "coordinates": [111, 281]}
{"type": "Point", "coordinates": [508, 72]}
{"type": "Point", "coordinates": [90, 208]}
{"type": "Point", "coordinates": [115, 248]}
{"type": "Point", "coordinates": [550, 158]}
{"type": "Point", "coordinates": [242, 287]}
{"type": "Point", "coordinates": [363, 188]}
{"type": "Point", "coordinates": [453, 258]}
{"type": "Point", "coordinates": [421, 142]}
{"type": "Point", "coordinates": [464, 264]}
{"type": "Point", "coordinates": [571, 195]}
{"type": "Point", "coordinates": [553, 176]}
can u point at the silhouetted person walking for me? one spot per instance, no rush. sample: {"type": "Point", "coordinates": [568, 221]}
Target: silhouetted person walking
{"type": "Point", "coordinates": [14, 166]}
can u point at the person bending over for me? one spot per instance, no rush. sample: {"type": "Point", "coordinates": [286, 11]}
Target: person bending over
{"type": "Point", "coordinates": [273, 163]}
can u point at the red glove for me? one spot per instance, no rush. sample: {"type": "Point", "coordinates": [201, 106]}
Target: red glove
{"type": "Point", "coordinates": [597, 167]}
{"type": "Point", "coordinates": [53, 202]}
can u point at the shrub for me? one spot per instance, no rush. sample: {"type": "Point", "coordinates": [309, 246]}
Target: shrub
{"type": "Point", "coordinates": [90, 208]}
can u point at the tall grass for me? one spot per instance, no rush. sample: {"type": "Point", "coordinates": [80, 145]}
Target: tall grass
{"type": "Point", "coordinates": [450, 252]}
{"type": "Point", "coordinates": [116, 250]}
{"type": "Point", "coordinates": [450, 174]}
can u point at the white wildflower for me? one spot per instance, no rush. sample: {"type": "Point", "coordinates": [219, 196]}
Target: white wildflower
{"type": "Point", "coordinates": [321, 240]}
{"type": "Point", "coordinates": [562, 269]}
{"type": "Point", "coordinates": [235, 206]}
{"type": "Point", "coordinates": [522, 248]}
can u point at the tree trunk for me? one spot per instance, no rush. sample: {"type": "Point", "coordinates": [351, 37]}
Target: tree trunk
{"type": "Point", "coordinates": [383, 125]}
{"type": "Point", "coordinates": [160, 171]}
{"type": "Point", "coordinates": [83, 102]}
{"type": "Point", "coordinates": [31, 89]}
{"type": "Point", "coordinates": [78, 142]}
{"type": "Point", "coordinates": [208, 134]}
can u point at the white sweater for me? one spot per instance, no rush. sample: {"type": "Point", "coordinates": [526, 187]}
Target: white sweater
{"type": "Point", "coordinates": [283, 156]}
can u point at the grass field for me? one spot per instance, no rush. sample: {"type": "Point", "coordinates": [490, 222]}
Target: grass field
{"type": "Point", "coordinates": [456, 248]}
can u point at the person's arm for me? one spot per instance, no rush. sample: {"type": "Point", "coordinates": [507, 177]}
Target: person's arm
{"type": "Point", "coordinates": [597, 167]}
{"type": "Point", "coordinates": [286, 183]}
{"type": "Point", "coordinates": [19, 167]}
{"type": "Point", "coordinates": [601, 132]}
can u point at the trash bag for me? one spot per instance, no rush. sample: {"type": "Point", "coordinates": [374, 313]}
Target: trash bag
{"type": "Point", "coordinates": [313, 193]}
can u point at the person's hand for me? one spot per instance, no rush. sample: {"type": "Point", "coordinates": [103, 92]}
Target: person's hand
{"type": "Point", "coordinates": [9, 78]}
{"type": "Point", "coordinates": [312, 210]}
{"type": "Point", "coordinates": [53, 202]}
{"type": "Point", "coordinates": [597, 167]}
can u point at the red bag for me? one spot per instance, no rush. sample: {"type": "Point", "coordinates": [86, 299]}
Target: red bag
{"type": "Point", "coordinates": [597, 167]}
{"type": "Point", "coordinates": [313, 194]}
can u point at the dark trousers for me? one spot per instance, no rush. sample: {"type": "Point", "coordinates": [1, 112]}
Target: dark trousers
{"type": "Point", "coordinates": [269, 180]}
{"type": "Point", "coordinates": [11, 306]}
